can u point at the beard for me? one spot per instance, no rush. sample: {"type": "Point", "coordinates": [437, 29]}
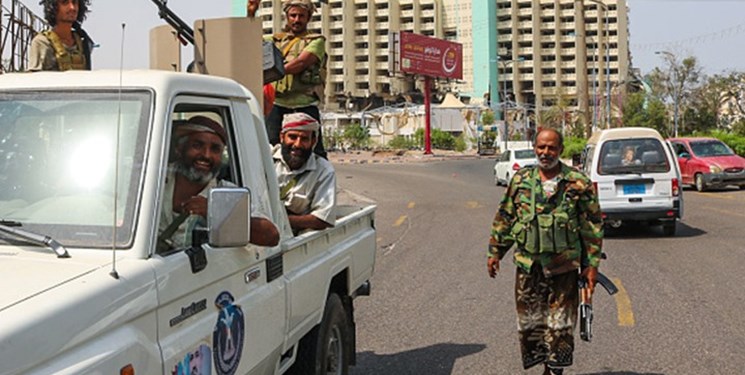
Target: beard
{"type": "Point", "coordinates": [194, 175]}
{"type": "Point", "coordinates": [295, 162]}
{"type": "Point", "coordinates": [547, 162]}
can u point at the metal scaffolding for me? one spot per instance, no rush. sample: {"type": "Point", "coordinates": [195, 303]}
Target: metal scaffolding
{"type": "Point", "coordinates": [18, 25]}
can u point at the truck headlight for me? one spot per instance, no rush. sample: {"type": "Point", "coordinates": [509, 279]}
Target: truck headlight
{"type": "Point", "coordinates": [715, 169]}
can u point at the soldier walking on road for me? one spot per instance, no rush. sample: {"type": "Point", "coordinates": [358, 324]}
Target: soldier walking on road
{"type": "Point", "coordinates": [301, 90]}
{"type": "Point", "coordinates": [550, 212]}
{"type": "Point", "coordinates": [66, 46]}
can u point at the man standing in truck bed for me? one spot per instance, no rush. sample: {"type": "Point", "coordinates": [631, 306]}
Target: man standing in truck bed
{"type": "Point", "coordinates": [304, 54]}
{"type": "Point", "coordinates": [66, 46]}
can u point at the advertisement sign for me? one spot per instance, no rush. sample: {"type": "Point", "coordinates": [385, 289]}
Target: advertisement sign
{"type": "Point", "coordinates": [431, 57]}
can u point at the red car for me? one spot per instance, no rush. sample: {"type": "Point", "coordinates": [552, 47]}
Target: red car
{"type": "Point", "coordinates": [708, 162]}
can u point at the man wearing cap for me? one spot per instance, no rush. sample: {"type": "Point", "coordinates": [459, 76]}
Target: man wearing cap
{"type": "Point", "coordinates": [199, 145]}
{"type": "Point", "coordinates": [307, 182]}
{"type": "Point", "coordinates": [301, 90]}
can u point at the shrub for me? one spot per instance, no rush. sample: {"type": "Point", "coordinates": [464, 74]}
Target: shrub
{"type": "Point", "coordinates": [402, 143]}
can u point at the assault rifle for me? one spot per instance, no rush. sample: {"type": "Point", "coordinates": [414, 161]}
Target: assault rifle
{"type": "Point", "coordinates": [585, 307]}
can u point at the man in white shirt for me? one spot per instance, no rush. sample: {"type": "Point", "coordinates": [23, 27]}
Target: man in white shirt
{"type": "Point", "coordinates": [307, 182]}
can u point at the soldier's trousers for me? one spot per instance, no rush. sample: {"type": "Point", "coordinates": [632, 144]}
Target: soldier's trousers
{"type": "Point", "coordinates": [546, 316]}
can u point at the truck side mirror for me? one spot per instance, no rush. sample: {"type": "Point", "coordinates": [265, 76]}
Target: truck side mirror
{"type": "Point", "coordinates": [229, 216]}
{"type": "Point", "coordinates": [684, 155]}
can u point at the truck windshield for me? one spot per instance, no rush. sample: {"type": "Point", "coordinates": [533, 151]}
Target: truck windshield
{"type": "Point", "coordinates": [60, 172]}
{"type": "Point", "coordinates": [633, 156]}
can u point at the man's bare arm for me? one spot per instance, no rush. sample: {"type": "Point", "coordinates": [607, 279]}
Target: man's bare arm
{"type": "Point", "coordinates": [251, 7]}
{"type": "Point", "coordinates": [302, 222]}
{"type": "Point", "coordinates": [302, 62]}
{"type": "Point", "coordinates": [263, 232]}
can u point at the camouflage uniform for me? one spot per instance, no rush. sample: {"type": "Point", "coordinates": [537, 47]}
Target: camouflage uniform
{"type": "Point", "coordinates": [546, 291]}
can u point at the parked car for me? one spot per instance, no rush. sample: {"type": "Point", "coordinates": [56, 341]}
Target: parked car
{"type": "Point", "coordinates": [636, 176]}
{"type": "Point", "coordinates": [708, 162]}
{"type": "Point", "coordinates": [510, 162]}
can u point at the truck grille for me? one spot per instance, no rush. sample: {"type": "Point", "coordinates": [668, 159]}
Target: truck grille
{"type": "Point", "coordinates": [733, 170]}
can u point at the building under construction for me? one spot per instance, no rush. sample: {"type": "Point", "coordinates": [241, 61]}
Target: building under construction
{"type": "Point", "coordinates": [18, 26]}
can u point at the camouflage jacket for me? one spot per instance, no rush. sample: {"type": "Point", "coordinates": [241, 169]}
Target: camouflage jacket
{"type": "Point", "coordinates": [578, 192]}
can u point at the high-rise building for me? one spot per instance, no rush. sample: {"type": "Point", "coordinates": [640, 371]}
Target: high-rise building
{"type": "Point", "coordinates": [357, 41]}
{"type": "Point", "coordinates": [536, 53]}
{"type": "Point", "coordinates": [570, 51]}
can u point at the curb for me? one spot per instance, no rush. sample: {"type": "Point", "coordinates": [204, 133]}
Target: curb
{"type": "Point", "coordinates": [403, 159]}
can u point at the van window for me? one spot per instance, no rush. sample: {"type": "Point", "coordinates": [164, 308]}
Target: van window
{"type": "Point", "coordinates": [629, 156]}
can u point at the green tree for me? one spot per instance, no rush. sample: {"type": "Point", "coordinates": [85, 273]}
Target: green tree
{"type": "Point", "coordinates": [679, 79]}
{"type": "Point", "coordinates": [653, 116]}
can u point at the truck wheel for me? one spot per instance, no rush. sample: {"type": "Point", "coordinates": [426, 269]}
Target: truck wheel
{"type": "Point", "coordinates": [668, 228]}
{"type": "Point", "coordinates": [325, 349]}
{"type": "Point", "coordinates": [699, 182]}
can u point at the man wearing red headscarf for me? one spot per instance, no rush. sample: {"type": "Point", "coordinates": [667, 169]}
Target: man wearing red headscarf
{"type": "Point", "coordinates": [307, 181]}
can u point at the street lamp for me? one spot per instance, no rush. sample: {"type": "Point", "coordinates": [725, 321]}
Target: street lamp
{"type": "Point", "coordinates": [505, 63]}
{"type": "Point", "coordinates": [672, 60]}
{"type": "Point", "coordinates": [606, 31]}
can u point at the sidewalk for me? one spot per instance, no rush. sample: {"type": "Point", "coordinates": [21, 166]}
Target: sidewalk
{"type": "Point", "coordinates": [400, 156]}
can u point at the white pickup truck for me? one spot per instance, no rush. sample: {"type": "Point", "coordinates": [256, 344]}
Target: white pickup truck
{"type": "Point", "coordinates": [84, 288]}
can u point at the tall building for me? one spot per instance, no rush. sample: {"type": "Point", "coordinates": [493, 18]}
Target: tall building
{"type": "Point", "coordinates": [357, 41]}
{"type": "Point", "coordinates": [570, 51]}
{"type": "Point", "coordinates": [532, 52]}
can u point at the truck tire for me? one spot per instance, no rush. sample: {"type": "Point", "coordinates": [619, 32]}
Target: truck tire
{"type": "Point", "coordinates": [325, 349]}
{"type": "Point", "coordinates": [698, 181]}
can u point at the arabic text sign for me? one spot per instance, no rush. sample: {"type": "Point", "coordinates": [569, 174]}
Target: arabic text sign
{"type": "Point", "coordinates": [431, 56]}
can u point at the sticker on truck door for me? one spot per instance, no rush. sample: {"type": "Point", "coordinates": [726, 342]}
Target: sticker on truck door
{"type": "Point", "coordinates": [227, 337]}
{"type": "Point", "coordinates": [197, 362]}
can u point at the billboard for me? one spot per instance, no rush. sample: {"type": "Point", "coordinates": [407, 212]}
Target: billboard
{"type": "Point", "coordinates": [419, 54]}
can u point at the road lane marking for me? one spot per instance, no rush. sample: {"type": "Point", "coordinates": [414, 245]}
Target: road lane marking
{"type": "Point", "coordinates": [472, 204]}
{"type": "Point", "coordinates": [400, 221]}
{"type": "Point", "coordinates": [718, 196]}
{"type": "Point", "coordinates": [623, 303]}
{"type": "Point", "coordinates": [725, 211]}
{"type": "Point", "coordinates": [411, 205]}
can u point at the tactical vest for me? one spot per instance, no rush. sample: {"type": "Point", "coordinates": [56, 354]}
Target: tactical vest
{"type": "Point", "coordinates": [553, 232]}
{"type": "Point", "coordinates": [312, 80]}
{"type": "Point", "coordinates": [65, 59]}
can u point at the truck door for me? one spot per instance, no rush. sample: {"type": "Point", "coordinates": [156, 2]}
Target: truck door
{"type": "Point", "coordinates": [225, 315]}
{"type": "Point", "coordinates": [685, 170]}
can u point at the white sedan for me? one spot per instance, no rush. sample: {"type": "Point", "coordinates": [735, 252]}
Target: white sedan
{"type": "Point", "coordinates": [510, 162]}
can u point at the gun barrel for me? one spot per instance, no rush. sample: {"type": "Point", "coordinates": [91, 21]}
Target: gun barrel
{"type": "Point", "coordinates": [185, 32]}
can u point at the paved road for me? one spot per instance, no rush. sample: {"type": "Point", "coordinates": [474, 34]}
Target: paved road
{"type": "Point", "coordinates": [434, 311]}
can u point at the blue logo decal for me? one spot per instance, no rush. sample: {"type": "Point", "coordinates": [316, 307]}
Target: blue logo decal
{"type": "Point", "coordinates": [227, 338]}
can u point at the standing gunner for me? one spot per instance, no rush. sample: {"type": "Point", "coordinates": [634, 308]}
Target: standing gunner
{"type": "Point", "coordinates": [66, 46]}
{"type": "Point", "coordinates": [301, 90]}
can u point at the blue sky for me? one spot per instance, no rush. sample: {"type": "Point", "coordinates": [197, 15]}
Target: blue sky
{"type": "Point", "coordinates": [711, 30]}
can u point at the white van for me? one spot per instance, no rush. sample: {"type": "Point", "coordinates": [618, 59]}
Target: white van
{"type": "Point", "coordinates": [637, 177]}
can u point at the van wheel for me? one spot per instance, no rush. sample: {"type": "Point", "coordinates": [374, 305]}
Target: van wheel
{"type": "Point", "coordinates": [325, 349]}
{"type": "Point", "coordinates": [668, 228]}
{"type": "Point", "coordinates": [699, 182]}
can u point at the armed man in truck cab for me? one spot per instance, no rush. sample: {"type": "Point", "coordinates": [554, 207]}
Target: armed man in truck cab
{"type": "Point", "coordinates": [301, 90]}
{"type": "Point", "coordinates": [199, 145]}
{"type": "Point", "coordinates": [66, 46]}
{"type": "Point", "coordinates": [307, 182]}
